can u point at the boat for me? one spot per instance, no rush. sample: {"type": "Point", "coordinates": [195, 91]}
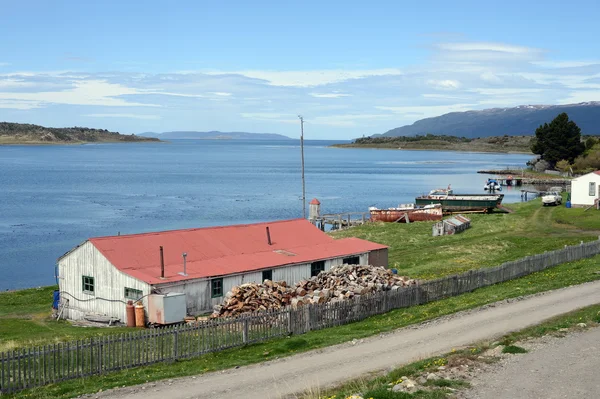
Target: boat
{"type": "Point", "coordinates": [462, 202]}
{"type": "Point", "coordinates": [413, 212]}
{"type": "Point", "coordinates": [492, 185]}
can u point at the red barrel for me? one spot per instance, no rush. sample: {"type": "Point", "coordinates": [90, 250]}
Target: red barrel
{"type": "Point", "coordinates": [130, 314]}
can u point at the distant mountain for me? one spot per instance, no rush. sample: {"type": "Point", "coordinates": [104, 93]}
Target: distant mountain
{"type": "Point", "coordinates": [25, 133]}
{"type": "Point", "coordinates": [518, 121]}
{"type": "Point", "coordinates": [216, 135]}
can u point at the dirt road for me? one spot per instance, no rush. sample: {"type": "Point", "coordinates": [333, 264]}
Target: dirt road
{"type": "Point", "coordinates": [329, 366]}
{"type": "Point", "coordinates": [556, 368]}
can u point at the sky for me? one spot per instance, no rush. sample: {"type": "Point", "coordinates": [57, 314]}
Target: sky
{"type": "Point", "coordinates": [350, 68]}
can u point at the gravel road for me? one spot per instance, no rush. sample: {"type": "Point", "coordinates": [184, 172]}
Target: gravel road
{"type": "Point", "coordinates": [333, 365]}
{"type": "Point", "coordinates": [555, 368]}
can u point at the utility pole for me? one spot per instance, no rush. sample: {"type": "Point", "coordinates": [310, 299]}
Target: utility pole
{"type": "Point", "coordinates": [302, 154]}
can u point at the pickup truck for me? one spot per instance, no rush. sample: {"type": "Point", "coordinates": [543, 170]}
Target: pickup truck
{"type": "Point", "coordinates": [551, 198]}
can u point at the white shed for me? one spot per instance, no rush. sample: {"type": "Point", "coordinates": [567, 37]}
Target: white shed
{"type": "Point", "coordinates": [585, 189]}
{"type": "Point", "coordinates": [98, 277]}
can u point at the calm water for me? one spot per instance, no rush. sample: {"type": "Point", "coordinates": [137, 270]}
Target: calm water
{"type": "Point", "coordinates": [54, 197]}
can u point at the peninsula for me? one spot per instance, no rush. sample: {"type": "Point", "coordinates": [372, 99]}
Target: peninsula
{"type": "Point", "coordinates": [24, 133]}
{"type": "Point", "coordinates": [507, 144]}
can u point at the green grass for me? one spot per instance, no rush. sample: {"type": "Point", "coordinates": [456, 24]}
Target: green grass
{"type": "Point", "coordinates": [513, 349]}
{"type": "Point", "coordinates": [557, 277]}
{"type": "Point", "coordinates": [25, 320]}
{"type": "Point", "coordinates": [492, 239]}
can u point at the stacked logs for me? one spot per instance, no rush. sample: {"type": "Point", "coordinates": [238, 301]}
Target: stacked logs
{"type": "Point", "coordinates": [340, 283]}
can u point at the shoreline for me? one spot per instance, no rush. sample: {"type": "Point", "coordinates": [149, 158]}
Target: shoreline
{"type": "Point", "coordinates": [355, 146]}
{"type": "Point", "coordinates": [46, 143]}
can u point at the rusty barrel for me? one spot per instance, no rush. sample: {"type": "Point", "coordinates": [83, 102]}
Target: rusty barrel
{"type": "Point", "coordinates": [130, 314]}
{"type": "Point", "coordinates": [140, 317]}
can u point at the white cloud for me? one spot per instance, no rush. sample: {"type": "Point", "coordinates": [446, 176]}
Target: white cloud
{"type": "Point", "coordinates": [88, 92]}
{"type": "Point", "coordinates": [483, 46]}
{"type": "Point", "coordinates": [444, 84]}
{"type": "Point", "coordinates": [270, 117]}
{"type": "Point", "coordinates": [581, 97]}
{"type": "Point", "coordinates": [565, 64]}
{"type": "Point", "coordinates": [351, 120]}
{"type": "Point", "coordinates": [129, 116]}
{"type": "Point", "coordinates": [330, 95]}
{"type": "Point", "coordinates": [310, 78]}
{"type": "Point", "coordinates": [3, 64]}
{"type": "Point", "coordinates": [427, 111]}
{"type": "Point", "coordinates": [221, 94]}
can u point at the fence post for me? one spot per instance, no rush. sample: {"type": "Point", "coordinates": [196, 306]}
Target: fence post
{"type": "Point", "coordinates": [2, 384]}
{"type": "Point", "coordinates": [290, 328]}
{"type": "Point", "coordinates": [418, 293]}
{"type": "Point", "coordinates": [455, 285]}
{"type": "Point", "coordinates": [175, 343]}
{"type": "Point", "coordinates": [245, 331]}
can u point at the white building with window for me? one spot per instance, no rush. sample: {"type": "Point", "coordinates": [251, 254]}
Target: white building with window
{"type": "Point", "coordinates": [585, 189]}
{"type": "Point", "coordinates": [99, 276]}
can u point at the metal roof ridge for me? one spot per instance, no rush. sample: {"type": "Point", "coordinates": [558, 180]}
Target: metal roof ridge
{"type": "Point", "coordinates": [149, 233]}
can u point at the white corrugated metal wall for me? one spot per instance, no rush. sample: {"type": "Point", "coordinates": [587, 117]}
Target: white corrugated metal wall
{"type": "Point", "coordinates": [109, 284]}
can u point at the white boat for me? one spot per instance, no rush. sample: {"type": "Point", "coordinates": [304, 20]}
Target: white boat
{"type": "Point", "coordinates": [492, 185]}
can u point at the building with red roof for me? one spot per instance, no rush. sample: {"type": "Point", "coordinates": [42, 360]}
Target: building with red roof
{"type": "Point", "coordinates": [99, 276]}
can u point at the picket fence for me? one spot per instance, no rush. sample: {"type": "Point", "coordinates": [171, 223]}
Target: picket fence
{"type": "Point", "coordinates": [41, 365]}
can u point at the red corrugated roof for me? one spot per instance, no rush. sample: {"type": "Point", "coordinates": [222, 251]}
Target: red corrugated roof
{"type": "Point", "coordinates": [217, 251]}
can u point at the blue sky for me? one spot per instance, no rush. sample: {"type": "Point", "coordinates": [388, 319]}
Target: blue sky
{"type": "Point", "coordinates": [350, 68]}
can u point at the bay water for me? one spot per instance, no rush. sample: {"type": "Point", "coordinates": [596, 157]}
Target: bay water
{"type": "Point", "coordinates": [53, 198]}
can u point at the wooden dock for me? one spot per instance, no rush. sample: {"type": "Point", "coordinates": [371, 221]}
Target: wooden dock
{"type": "Point", "coordinates": [338, 221]}
{"type": "Point", "coordinates": [519, 179]}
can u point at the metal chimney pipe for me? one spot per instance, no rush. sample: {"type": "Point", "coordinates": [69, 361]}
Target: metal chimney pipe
{"type": "Point", "coordinates": [184, 264]}
{"type": "Point", "coordinates": [162, 263]}
{"type": "Point", "coordinates": [269, 236]}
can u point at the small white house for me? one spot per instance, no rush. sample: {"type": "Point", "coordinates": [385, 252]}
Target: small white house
{"type": "Point", "coordinates": [585, 189]}
{"type": "Point", "coordinates": [98, 277]}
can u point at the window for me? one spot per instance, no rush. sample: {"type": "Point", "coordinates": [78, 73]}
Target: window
{"type": "Point", "coordinates": [353, 260]}
{"type": "Point", "coordinates": [267, 275]}
{"type": "Point", "coordinates": [592, 189]}
{"type": "Point", "coordinates": [216, 287]}
{"type": "Point", "coordinates": [132, 293]}
{"type": "Point", "coordinates": [87, 284]}
{"type": "Point", "coordinates": [317, 267]}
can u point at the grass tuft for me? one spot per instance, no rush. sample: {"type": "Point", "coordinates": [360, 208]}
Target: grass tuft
{"type": "Point", "coordinates": [513, 349]}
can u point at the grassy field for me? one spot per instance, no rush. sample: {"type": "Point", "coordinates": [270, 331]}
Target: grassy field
{"type": "Point", "coordinates": [557, 277]}
{"type": "Point", "coordinates": [492, 239]}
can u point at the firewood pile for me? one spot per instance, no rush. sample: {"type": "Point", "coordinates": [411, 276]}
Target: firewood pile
{"type": "Point", "coordinates": [340, 283]}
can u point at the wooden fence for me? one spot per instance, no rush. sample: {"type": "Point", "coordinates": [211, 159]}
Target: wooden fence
{"type": "Point", "coordinates": [38, 366]}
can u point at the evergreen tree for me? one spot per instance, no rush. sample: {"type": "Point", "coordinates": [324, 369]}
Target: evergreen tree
{"type": "Point", "coordinates": [560, 139]}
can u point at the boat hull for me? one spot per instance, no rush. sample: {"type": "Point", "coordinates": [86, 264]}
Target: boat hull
{"type": "Point", "coordinates": [464, 202]}
{"type": "Point", "coordinates": [414, 215]}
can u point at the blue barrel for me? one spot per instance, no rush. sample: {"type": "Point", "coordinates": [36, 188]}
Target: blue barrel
{"type": "Point", "coordinates": [55, 299]}
{"type": "Point", "coordinates": [395, 271]}
{"type": "Point", "coordinates": [568, 204]}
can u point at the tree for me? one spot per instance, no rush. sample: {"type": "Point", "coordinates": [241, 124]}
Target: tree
{"type": "Point", "coordinates": [561, 139]}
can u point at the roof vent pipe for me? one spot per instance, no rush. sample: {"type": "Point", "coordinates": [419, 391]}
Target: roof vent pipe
{"type": "Point", "coordinates": [162, 263]}
{"type": "Point", "coordinates": [269, 236]}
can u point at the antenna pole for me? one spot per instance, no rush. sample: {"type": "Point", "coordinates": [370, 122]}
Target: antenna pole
{"type": "Point", "coordinates": [302, 155]}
